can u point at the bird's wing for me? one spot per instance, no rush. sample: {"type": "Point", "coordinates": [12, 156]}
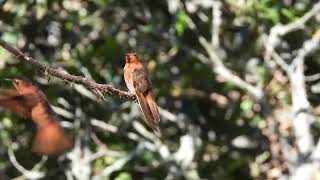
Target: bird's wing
{"type": "Point", "coordinates": [15, 102]}
{"type": "Point", "coordinates": [4, 93]}
{"type": "Point", "coordinates": [142, 86]}
{"type": "Point", "coordinates": [141, 81]}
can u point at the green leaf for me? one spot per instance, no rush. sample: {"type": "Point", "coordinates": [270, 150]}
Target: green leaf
{"type": "Point", "coordinates": [256, 120]}
{"type": "Point", "coordinates": [7, 123]}
{"type": "Point", "coordinates": [271, 14]}
{"type": "Point", "coordinates": [123, 176]}
{"type": "Point", "coordinates": [9, 37]}
{"type": "Point", "coordinates": [21, 10]}
{"type": "Point", "coordinates": [288, 14]}
{"type": "Point", "coordinates": [4, 55]}
{"type": "Point", "coordinates": [229, 85]}
{"type": "Point", "coordinates": [246, 105]}
{"type": "Point", "coordinates": [181, 23]}
{"type": "Point", "coordinates": [68, 25]}
{"type": "Point", "coordinates": [262, 74]}
{"type": "Point", "coordinates": [148, 157]}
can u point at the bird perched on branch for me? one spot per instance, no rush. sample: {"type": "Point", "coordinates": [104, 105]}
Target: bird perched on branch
{"type": "Point", "coordinates": [29, 102]}
{"type": "Point", "coordinates": [137, 80]}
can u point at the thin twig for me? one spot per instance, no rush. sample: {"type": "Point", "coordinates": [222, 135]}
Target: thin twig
{"type": "Point", "coordinates": [216, 23]}
{"type": "Point", "coordinates": [279, 60]}
{"type": "Point", "coordinates": [314, 77]}
{"type": "Point", "coordinates": [103, 151]}
{"type": "Point", "coordinates": [280, 30]}
{"type": "Point", "coordinates": [103, 125]}
{"type": "Point", "coordinates": [308, 47]}
{"type": "Point", "coordinates": [117, 165]}
{"type": "Point", "coordinates": [299, 23]}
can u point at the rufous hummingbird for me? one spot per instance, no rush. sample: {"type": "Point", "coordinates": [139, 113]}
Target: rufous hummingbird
{"type": "Point", "coordinates": [137, 80]}
{"type": "Point", "coordinates": [28, 101]}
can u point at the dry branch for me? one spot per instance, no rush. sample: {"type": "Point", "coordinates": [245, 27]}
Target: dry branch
{"type": "Point", "coordinates": [89, 84]}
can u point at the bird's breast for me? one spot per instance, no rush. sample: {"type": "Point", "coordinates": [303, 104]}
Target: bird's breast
{"type": "Point", "coordinates": [40, 114]}
{"type": "Point", "coordinates": [128, 78]}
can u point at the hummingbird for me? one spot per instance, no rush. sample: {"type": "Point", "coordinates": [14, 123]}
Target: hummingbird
{"type": "Point", "coordinates": [138, 82]}
{"type": "Point", "coordinates": [29, 102]}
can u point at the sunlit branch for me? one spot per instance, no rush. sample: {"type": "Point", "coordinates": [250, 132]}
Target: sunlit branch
{"type": "Point", "coordinates": [28, 174]}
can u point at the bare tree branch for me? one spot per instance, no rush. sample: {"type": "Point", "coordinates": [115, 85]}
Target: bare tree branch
{"type": "Point", "coordinates": [103, 125]}
{"type": "Point", "coordinates": [28, 174]}
{"type": "Point", "coordinates": [280, 30]}
{"type": "Point", "coordinates": [216, 23]}
{"type": "Point", "coordinates": [89, 84]}
{"type": "Point", "coordinates": [301, 117]}
{"type": "Point", "coordinates": [300, 104]}
{"type": "Point", "coordinates": [314, 77]}
{"type": "Point", "coordinates": [279, 60]}
{"type": "Point", "coordinates": [214, 59]}
{"type": "Point", "coordinates": [222, 70]}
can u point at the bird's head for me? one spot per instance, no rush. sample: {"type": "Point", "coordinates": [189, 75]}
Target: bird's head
{"type": "Point", "coordinates": [132, 57]}
{"type": "Point", "coordinates": [23, 85]}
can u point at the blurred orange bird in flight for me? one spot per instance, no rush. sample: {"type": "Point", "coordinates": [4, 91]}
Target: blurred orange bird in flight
{"type": "Point", "coordinates": [138, 82]}
{"type": "Point", "coordinates": [29, 102]}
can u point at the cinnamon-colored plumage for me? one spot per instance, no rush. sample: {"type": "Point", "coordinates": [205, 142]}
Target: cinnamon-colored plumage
{"type": "Point", "coordinates": [138, 82]}
{"type": "Point", "coordinates": [29, 102]}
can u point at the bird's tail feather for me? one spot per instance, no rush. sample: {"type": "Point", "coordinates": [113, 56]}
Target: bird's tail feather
{"type": "Point", "coordinates": [153, 107]}
{"type": "Point", "coordinates": [147, 108]}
